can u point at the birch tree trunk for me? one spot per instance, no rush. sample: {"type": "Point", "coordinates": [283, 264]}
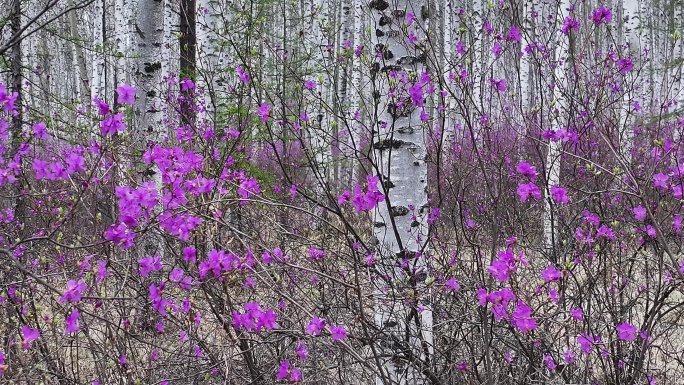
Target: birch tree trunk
{"type": "Point", "coordinates": [123, 43]}
{"type": "Point", "coordinates": [98, 69]}
{"type": "Point", "coordinates": [558, 115]}
{"type": "Point", "coordinates": [149, 28]}
{"type": "Point", "coordinates": [632, 31]}
{"type": "Point", "coordinates": [402, 311]}
{"type": "Point", "coordinates": [16, 80]}
{"type": "Point", "coordinates": [82, 85]}
{"type": "Point", "coordinates": [205, 52]}
{"type": "Point", "coordinates": [359, 81]}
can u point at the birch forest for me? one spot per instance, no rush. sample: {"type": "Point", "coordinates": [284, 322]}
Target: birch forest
{"type": "Point", "coordinates": [381, 192]}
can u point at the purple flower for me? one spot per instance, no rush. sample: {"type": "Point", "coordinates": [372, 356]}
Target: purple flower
{"type": "Point", "coordinates": [624, 65]}
{"type": "Point", "coordinates": [42, 170]}
{"type": "Point", "coordinates": [553, 295]}
{"type": "Point", "coordinates": [310, 84]}
{"type": "Point", "coordinates": [522, 318]}
{"type": "Point", "coordinates": [295, 375]}
{"type": "Point", "coordinates": [283, 370]}
{"type": "Point", "coordinates": [247, 188]}
{"type": "Point", "coordinates": [527, 189]}
{"type": "Point", "coordinates": [149, 264]}
{"type": "Point", "coordinates": [315, 325]}
{"type": "Point", "coordinates": [74, 162]}
{"type": "Point", "coordinates": [409, 18]}
{"type": "Point", "coordinates": [243, 75]}
{"type": "Point", "coordinates": [123, 360]}
{"type": "Point", "coordinates": [424, 116]}
{"type": "Point", "coordinates": [513, 34]}
{"type": "Point", "coordinates": [677, 223]}
{"type": "Point", "coordinates": [7, 101]}
{"type": "Point", "coordinates": [338, 332]}
{"type": "Point", "coordinates": [527, 170]}
{"type": "Point", "coordinates": [500, 270]}
{"type": "Point", "coordinates": [343, 198]}
{"type": "Point", "coordinates": [591, 217]}
{"type": "Point", "coordinates": [72, 322]}
{"type": "Point", "coordinates": [30, 335]}
{"type": "Point", "coordinates": [576, 314]}
{"type": "Point", "coordinates": [639, 213]}
{"type": "Point", "coordinates": [267, 320]}
{"type": "Point", "coordinates": [158, 303]}
{"type": "Point", "coordinates": [112, 124]}
{"type": "Point", "coordinates": [496, 49]}
{"type": "Point", "coordinates": [189, 254]}
{"type": "Point", "coordinates": [267, 258]}
{"type": "Point", "coordinates": [302, 350]}
{"type": "Point", "coordinates": [370, 199]}
{"type": "Point", "coordinates": [550, 274]}
{"type": "Point", "coordinates": [559, 194]}
{"type": "Point", "coordinates": [601, 15]}
{"type": "Point", "coordinates": [487, 27]}
{"type": "Point", "coordinates": [626, 331]}
{"type": "Point", "coordinates": [126, 94]}
{"type": "Point", "coordinates": [569, 24]}
{"type": "Point", "coordinates": [452, 284]}
{"type": "Point", "coordinates": [605, 231]}
{"type": "Point", "coordinates": [121, 235]}
{"type": "Point", "coordinates": [73, 291]}
{"type": "Point", "coordinates": [176, 275]}
{"type": "Point", "coordinates": [263, 112]}
{"type": "Point", "coordinates": [569, 356]}
{"type": "Point", "coordinates": [482, 296]}
{"type": "Point", "coordinates": [500, 85]}
{"type": "Point", "coordinates": [40, 131]}
{"type": "Point", "coordinates": [187, 84]}
{"type": "Point", "coordinates": [102, 107]}
{"type": "Point", "coordinates": [460, 48]}
{"type": "Point", "coordinates": [416, 93]}
{"type": "Point", "coordinates": [316, 254]}
{"type": "Point", "coordinates": [548, 360]}
{"type": "Point", "coordinates": [660, 180]}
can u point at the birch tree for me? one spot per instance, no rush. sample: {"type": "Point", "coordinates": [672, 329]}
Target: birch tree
{"type": "Point", "coordinates": [402, 313]}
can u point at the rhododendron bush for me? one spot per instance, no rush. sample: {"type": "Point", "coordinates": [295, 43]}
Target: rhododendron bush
{"type": "Point", "coordinates": [238, 243]}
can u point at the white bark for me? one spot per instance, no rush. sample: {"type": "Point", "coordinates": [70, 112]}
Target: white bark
{"type": "Point", "coordinates": [169, 48]}
{"type": "Point", "coordinates": [149, 27]}
{"type": "Point", "coordinates": [79, 65]}
{"type": "Point", "coordinates": [123, 42]}
{"type": "Point", "coordinates": [97, 80]}
{"type": "Point", "coordinates": [401, 294]}
{"type": "Point", "coordinates": [480, 51]}
{"type": "Point", "coordinates": [448, 69]}
{"type": "Point", "coordinates": [676, 63]}
{"type": "Point", "coordinates": [632, 44]}
{"type": "Point", "coordinates": [360, 82]}
{"type": "Point", "coordinates": [558, 115]}
{"type": "Point", "coordinates": [208, 57]}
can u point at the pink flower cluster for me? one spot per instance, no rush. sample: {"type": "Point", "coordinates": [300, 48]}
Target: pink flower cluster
{"type": "Point", "coordinates": [520, 318]}
{"type": "Point", "coordinates": [528, 189]}
{"type": "Point", "coordinates": [255, 318]}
